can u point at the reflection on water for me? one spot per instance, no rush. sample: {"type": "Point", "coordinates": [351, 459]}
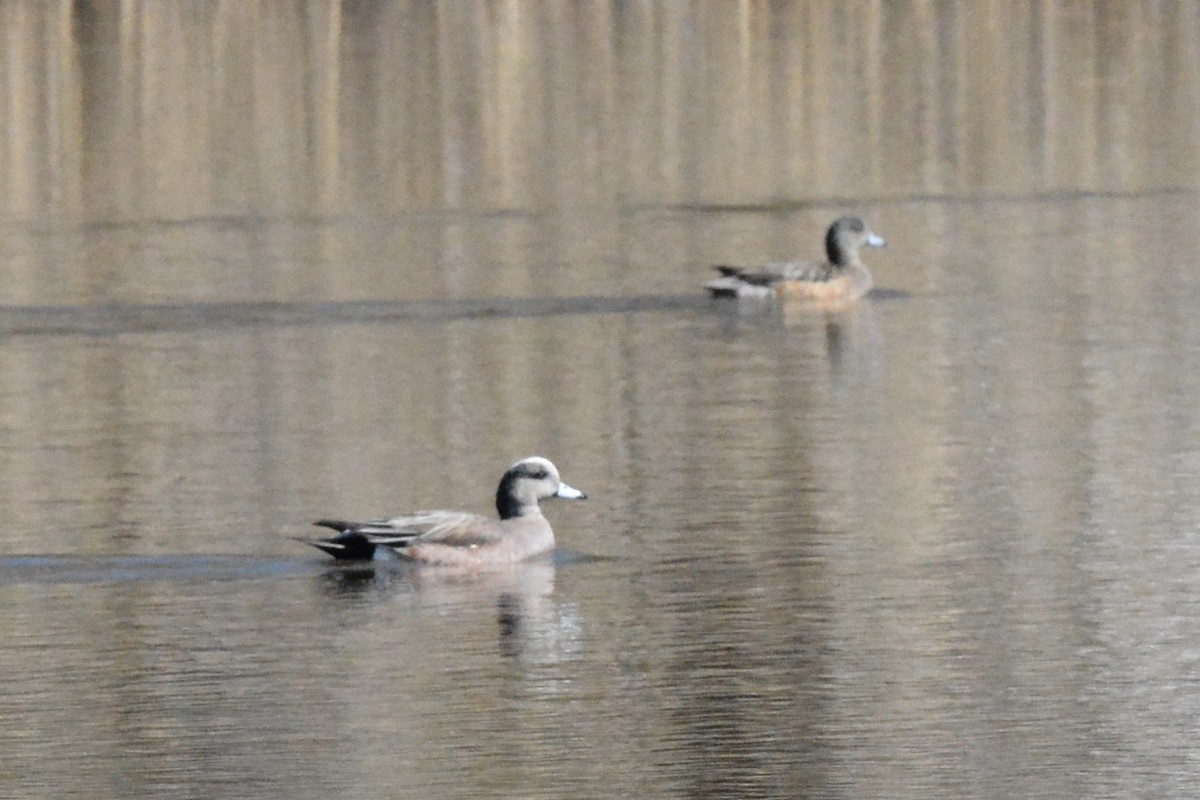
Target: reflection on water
{"type": "Point", "coordinates": [213, 317]}
{"type": "Point", "coordinates": [266, 264]}
{"type": "Point", "coordinates": [119, 569]}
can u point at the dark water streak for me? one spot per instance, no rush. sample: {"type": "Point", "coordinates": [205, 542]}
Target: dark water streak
{"type": "Point", "coordinates": [120, 318]}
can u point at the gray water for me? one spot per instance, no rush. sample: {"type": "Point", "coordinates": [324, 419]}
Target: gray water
{"type": "Point", "coordinates": [269, 263]}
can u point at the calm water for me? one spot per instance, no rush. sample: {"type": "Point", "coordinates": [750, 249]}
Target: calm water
{"type": "Point", "coordinates": [265, 264]}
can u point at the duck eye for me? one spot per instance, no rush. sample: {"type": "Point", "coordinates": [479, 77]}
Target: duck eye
{"type": "Point", "coordinates": [533, 473]}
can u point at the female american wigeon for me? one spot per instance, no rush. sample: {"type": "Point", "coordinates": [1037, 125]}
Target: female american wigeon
{"type": "Point", "coordinates": [457, 538]}
{"type": "Point", "coordinates": [843, 278]}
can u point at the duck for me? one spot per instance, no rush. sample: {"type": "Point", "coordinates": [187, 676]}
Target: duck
{"type": "Point", "coordinates": [842, 278]}
{"type": "Point", "coordinates": [459, 538]}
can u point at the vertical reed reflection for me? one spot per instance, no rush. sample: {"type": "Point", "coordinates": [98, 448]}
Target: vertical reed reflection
{"type": "Point", "coordinates": [140, 111]}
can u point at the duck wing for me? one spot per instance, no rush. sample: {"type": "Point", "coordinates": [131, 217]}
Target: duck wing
{"type": "Point", "coordinates": [761, 282]}
{"type": "Point", "coordinates": [454, 528]}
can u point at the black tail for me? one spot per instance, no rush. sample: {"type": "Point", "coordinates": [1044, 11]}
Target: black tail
{"type": "Point", "coordinates": [347, 546]}
{"type": "Point", "coordinates": [722, 291]}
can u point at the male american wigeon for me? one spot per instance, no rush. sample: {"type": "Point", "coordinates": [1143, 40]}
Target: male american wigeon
{"type": "Point", "coordinates": [842, 278]}
{"type": "Point", "coordinates": [458, 538]}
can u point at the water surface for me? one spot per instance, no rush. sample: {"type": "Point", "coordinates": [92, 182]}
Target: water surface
{"type": "Point", "coordinates": [265, 265]}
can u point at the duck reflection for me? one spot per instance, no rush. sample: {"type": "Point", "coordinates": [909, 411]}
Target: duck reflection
{"type": "Point", "coordinates": [530, 623]}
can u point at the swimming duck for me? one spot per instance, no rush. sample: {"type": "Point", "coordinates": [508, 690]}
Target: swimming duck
{"type": "Point", "coordinates": [458, 538]}
{"type": "Point", "coordinates": [841, 279]}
